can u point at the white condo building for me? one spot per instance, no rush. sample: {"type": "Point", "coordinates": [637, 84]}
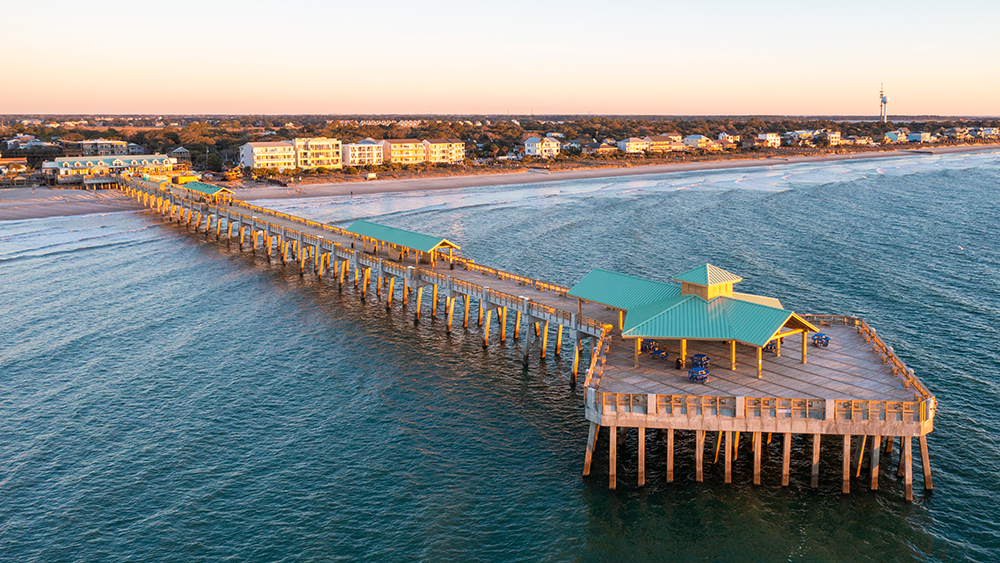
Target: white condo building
{"type": "Point", "coordinates": [451, 151]}
{"type": "Point", "coordinates": [317, 152]}
{"type": "Point", "coordinates": [367, 152]}
{"type": "Point", "coordinates": [278, 154]}
{"type": "Point", "coordinates": [545, 147]}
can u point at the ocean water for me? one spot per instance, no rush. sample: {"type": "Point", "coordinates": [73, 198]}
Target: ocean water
{"type": "Point", "coordinates": [166, 398]}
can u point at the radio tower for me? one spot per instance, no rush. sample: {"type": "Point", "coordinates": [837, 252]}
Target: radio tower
{"type": "Point", "coordinates": [884, 100]}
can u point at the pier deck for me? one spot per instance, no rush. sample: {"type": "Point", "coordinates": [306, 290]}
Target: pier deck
{"type": "Point", "coordinates": [848, 368]}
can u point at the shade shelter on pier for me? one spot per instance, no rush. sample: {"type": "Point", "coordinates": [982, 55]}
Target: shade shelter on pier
{"type": "Point", "coordinates": [402, 239]}
{"type": "Point", "coordinates": [620, 291]}
{"type": "Point", "coordinates": [708, 309]}
{"type": "Point", "coordinates": [210, 190]}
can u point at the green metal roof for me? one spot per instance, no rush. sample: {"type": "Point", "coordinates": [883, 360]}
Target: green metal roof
{"type": "Point", "coordinates": [722, 318]}
{"type": "Point", "coordinates": [707, 274]}
{"type": "Point", "coordinates": [400, 237]}
{"type": "Point", "coordinates": [620, 290]}
{"type": "Point", "coordinates": [207, 189]}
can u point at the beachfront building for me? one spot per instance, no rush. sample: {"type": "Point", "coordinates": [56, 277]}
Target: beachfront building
{"type": "Point", "coordinates": [403, 151]}
{"type": "Point", "coordinates": [276, 154]}
{"type": "Point", "coordinates": [730, 137]}
{"type": "Point", "coordinates": [449, 151]}
{"type": "Point", "coordinates": [13, 165]}
{"type": "Point", "coordinates": [832, 138]}
{"type": "Point", "coordinates": [88, 169]}
{"type": "Point", "coordinates": [697, 141]}
{"type": "Point", "coordinates": [367, 152]}
{"type": "Point", "coordinates": [665, 143]}
{"type": "Point", "coordinates": [919, 137]}
{"type": "Point", "coordinates": [544, 147]}
{"type": "Point", "coordinates": [633, 145]}
{"type": "Point", "coordinates": [772, 140]}
{"type": "Point", "coordinates": [317, 152]}
{"type": "Point", "coordinates": [103, 147]}
{"type": "Point", "coordinates": [894, 136]}
{"type": "Point", "coordinates": [598, 149]}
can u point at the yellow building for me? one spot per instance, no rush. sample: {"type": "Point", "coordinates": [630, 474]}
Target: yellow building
{"type": "Point", "coordinates": [451, 151]}
{"type": "Point", "coordinates": [403, 151]}
{"type": "Point", "coordinates": [317, 152]}
{"type": "Point", "coordinates": [366, 152]}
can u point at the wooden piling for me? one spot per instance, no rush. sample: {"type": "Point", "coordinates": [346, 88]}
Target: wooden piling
{"type": "Point", "coordinates": [876, 445]}
{"type": "Point", "coordinates": [392, 289]}
{"type": "Point", "coordinates": [486, 329]}
{"type": "Point", "coordinates": [728, 456]}
{"type": "Point", "coordinates": [756, 457]}
{"type": "Point", "coordinates": [465, 320]}
{"type": "Point", "coordinates": [434, 301]}
{"type": "Point", "coordinates": [545, 339]}
{"type": "Point", "coordinates": [420, 295]}
{"type": "Point", "coordinates": [815, 460]}
{"type": "Point", "coordinates": [559, 341]}
{"type": "Point", "coordinates": [699, 455]}
{"type": "Point", "coordinates": [591, 442]}
{"type": "Point", "coordinates": [612, 457]}
{"type": "Point", "coordinates": [517, 325]}
{"type": "Point", "coordinates": [670, 455]}
{"type": "Point", "coordinates": [847, 464]}
{"type": "Point", "coordinates": [908, 466]}
{"type": "Point", "coordinates": [642, 456]}
{"type": "Point", "coordinates": [926, 461]}
{"type": "Point", "coordinates": [786, 457]}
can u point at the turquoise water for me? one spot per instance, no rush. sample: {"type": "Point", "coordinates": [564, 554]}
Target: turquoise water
{"type": "Point", "coordinates": [163, 397]}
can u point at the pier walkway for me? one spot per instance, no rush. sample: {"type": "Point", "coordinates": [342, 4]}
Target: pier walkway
{"type": "Point", "coordinates": [856, 388]}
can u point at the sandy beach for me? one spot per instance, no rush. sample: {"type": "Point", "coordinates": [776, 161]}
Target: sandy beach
{"type": "Point", "coordinates": [23, 203]}
{"type": "Point", "coordinates": [416, 184]}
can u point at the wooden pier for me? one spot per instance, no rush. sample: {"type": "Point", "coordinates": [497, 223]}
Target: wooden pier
{"type": "Point", "coordinates": [856, 390]}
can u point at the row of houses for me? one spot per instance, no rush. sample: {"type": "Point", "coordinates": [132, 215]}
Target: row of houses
{"type": "Point", "coordinates": [92, 147]}
{"type": "Point", "coordinates": [322, 152]}
{"type": "Point", "coordinates": [904, 135]}
{"type": "Point", "coordinates": [550, 146]}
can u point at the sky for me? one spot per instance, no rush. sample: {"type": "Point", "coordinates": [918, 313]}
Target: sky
{"type": "Point", "coordinates": [517, 57]}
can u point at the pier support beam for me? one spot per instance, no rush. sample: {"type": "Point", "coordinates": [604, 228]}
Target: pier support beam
{"type": "Point", "coordinates": [786, 457]}
{"type": "Point", "coordinates": [612, 457]}
{"type": "Point", "coordinates": [876, 444]}
{"type": "Point", "coordinates": [732, 353]}
{"type": "Point", "coordinates": [392, 289]}
{"type": "Point", "coordinates": [420, 296]}
{"type": "Point", "coordinates": [465, 321]}
{"type": "Point", "coordinates": [545, 339]}
{"type": "Point", "coordinates": [684, 351]}
{"type": "Point", "coordinates": [728, 455]}
{"type": "Point", "coordinates": [756, 457]}
{"type": "Point", "coordinates": [642, 456]}
{"type": "Point", "coordinates": [699, 455]}
{"type": "Point", "coordinates": [502, 319]}
{"type": "Point", "coordinates": [670, 455]}
{"type": "Point", "coordinates": [450, 310]}
{"type": "Point", "coordinates": [815, 460]}
{"type": "Point", "coordinates": [591, 442]}
{"type": "Point", "coordinates": [486, 328]}
{"type": "Point", "coordinates": [925, 459]}
{"type": "Point", "coordinates": [908, 466]}
{"type": "Point", "coordinates": [847, 464]}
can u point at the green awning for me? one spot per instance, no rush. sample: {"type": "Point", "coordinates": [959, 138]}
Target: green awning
{"type": "Point", "coordinates": [722, 318]}
{"type": "Point", "coordinates": [400, 237]}
{"type": "Point", "coordinates": [207, 189]}
{"type": "Point", "coordinates": [621, 291]}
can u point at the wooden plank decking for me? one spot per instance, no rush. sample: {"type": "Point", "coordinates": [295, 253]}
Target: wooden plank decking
{"type": "Point", "coordinates": [848, 369]}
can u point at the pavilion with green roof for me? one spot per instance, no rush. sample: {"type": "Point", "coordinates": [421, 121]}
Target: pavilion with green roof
{"type": "Point", "coordinates": [210, 190]}
{"type": "Point", "coordinates": [401, 238]}
{"type": "Point", "coordinates": [704, 307]}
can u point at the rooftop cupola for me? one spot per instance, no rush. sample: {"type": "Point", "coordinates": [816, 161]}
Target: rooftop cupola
{"type": "Point", "coordinates": [707, 282]}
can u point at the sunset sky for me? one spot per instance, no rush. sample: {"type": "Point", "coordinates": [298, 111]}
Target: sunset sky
{"type": "Point", "coordinates": [666, 57]}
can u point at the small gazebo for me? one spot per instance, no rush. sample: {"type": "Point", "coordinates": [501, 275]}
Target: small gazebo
{"type": "Point", "coordinates": [708, 309]}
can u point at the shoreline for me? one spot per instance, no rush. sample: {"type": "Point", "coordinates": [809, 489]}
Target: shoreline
{"type": "Point", "coordinates": [19, 203]}
{"type": "Point", "coordinates": [529, 177]}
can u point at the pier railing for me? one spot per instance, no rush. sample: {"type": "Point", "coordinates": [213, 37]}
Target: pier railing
{"type": "Point", "coordinates": [920, 410]}
{"type": "Point", "coordinates": [649, 404]}
{"type": "Point", "coordinates": [224, 208]}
